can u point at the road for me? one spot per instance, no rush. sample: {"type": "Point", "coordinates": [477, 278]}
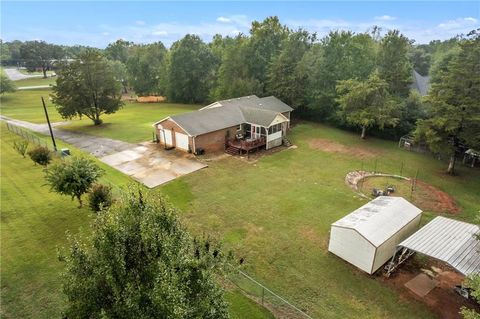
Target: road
{"type": "Point", "coordinates": [16, 75]}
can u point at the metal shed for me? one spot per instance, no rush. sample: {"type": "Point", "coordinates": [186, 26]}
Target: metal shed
{"type": "Point", "coordinates": [368, 236]}
{"type": "Point", "coordinates": [450, 241]}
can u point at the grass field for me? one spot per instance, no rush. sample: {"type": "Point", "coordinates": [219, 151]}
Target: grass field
{"type": "Point", "coordinates": [33, 226]}
{"type": "Point", "coordinates": [277, 212]}
{"type": "Point", "coordinates": [132, 123]}
{"type": "Point", "coordinates": [36, 81]}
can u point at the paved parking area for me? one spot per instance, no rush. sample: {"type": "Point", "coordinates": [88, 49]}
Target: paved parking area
{"type": "Point", "coordinates": [148, 163]}
{"type": "Point", "coordinates": [152, 165]}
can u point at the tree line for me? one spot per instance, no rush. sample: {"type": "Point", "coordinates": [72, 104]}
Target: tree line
{"type": "Point", "coordinates": [352, 80]}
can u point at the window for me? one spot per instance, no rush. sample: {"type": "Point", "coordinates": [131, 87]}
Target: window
{"type": "Point", "coordinates": [275, 128]}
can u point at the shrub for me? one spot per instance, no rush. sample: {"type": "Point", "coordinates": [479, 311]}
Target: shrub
{"type": "Point", "coordinates": [100, 197]}
{"type": "Point", "coordinates": [41, 155]}
{"type": "Point", "coordinates": [21, 147]}
{"type": "Point", "coordinates": [74, 177]}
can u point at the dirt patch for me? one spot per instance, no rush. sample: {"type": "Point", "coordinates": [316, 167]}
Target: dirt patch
{"type": "Point", "coordinates": [338, 148]}
{"type": "Point", "coordinates": [442, 300]}
{"type": "Point", "coordinates": [425, 196]}
{"type": "Point", "coordinates": [151, 99]}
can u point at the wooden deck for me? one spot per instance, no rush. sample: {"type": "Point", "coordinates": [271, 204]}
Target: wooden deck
{"type": "Point", "coordinates": [236, 147]}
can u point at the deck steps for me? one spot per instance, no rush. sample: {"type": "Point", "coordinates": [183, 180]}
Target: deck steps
{"type": "Point", "coordinates": [286, 142]}
{"type": "Point", "coordinates": [232, 150]}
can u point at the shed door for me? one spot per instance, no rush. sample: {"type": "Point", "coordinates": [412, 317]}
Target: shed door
{"type": "Point", "coordinates": [166, 137]}
{"type": "Point", "coordinates": [181, 141]}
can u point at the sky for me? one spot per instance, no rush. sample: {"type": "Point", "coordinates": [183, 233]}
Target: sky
{"type": "Point", "coordinates": [99, 23]}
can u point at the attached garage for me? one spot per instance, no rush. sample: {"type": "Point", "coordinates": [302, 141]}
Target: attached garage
{"type": "Point", "coordinates": [367, 238]}
{"type": "Point", "coordinates": [181, 141]}
{"type": "Point", "coordinates": [166, 137]}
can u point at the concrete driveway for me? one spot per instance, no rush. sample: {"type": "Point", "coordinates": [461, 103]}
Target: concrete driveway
{"type": "Point", "coordinates": [147, 163]}
{"type": "Point", "coordinates": [16, 75]}
{"type": "Point", "coordinates": [152, 165]}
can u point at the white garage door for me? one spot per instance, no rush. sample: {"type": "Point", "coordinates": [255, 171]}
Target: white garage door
{"type": "Point", "coordinates": [181, 141]}
{"type": "Point", "coordinates": [166, 137]}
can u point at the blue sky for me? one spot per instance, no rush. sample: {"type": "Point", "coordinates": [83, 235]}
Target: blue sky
{"type": "Point", "coordinates": [98, 23]}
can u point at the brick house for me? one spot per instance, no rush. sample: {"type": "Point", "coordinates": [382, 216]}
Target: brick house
{"type": "Point", "coordinates": [236, 125]}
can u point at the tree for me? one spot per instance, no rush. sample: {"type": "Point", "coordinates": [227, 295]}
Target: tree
{"type": "Point", "coordinates": [367, 103]}
{"type": "Point", "coordinates": [146, 65]}
{"type": "Point", "coordinates": [420, 60]}
{"type": "Point", "coordinates": [40, 155]}
{"type": "Point", "coordinates": [190, 70]}
{"type": "Point", "coordinates": [393, 62]}
{"type": "Point", "coordinates": [119, 50]}
{"type": "Point", "coordinates": [453, 119]}
{"type": "Point", "coordinates": [73, 177]}
{"type": "Point", "coordinates": [39, 54]}
{"type": "Point", "coordinates": [140, 262]}
{"type": "Point", "coordinates": [284, 79]}
{"type": "Point", "coordinates": [87, 87]}
{"type": "Point", "coordinates": [120, 73]}
{"type": "Point", "coordinates": [233, 79]}
{"type": "Point", "coordinates": [339, 56]}
{"type": "Point", "coordinates": [6, 85]}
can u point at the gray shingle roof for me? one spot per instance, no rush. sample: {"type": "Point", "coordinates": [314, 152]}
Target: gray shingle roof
{"type": "Point", "coordinates": [251, 109]}
{"type": "Point", "coordinates": [420, 83]}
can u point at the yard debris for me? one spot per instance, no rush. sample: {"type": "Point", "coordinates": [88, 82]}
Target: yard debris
{"type": "Point", "coordinates": [151, 99]}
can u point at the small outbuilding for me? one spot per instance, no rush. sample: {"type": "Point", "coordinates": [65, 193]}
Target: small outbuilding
{"type": "Point", "coordinates": [367, 238]}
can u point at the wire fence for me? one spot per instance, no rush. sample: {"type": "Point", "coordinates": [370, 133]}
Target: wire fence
{"type": "Point", "coordinates": [278, 305]}
{"type": "Point", "coordinates": [29, 136]}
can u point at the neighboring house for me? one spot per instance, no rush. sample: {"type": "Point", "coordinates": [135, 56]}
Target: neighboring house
{"type": "Point", "coordinates": [235, 125]}
{"type": "Point", "coordinates": [420, 83]}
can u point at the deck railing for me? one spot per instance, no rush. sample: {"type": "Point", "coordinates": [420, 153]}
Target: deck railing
{"type": "Point", "coordinates": [246, 145]}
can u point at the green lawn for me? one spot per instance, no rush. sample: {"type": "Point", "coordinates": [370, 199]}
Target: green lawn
{"type": "Point", "coordinates": [34, 222]}
{"type": "Point", "coordinates": [132, 123]}
{"type": "Point", "coordinates": [276, 213]}
{"type": "Point", "coordinates": [36, 81]}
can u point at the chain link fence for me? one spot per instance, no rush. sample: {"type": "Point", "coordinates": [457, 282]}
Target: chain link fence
{"type": "Point", "coordinates": [28, 136]}
{"type": "Point", "coordinates": [278, 305]}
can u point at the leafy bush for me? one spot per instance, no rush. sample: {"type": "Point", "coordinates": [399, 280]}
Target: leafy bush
{"type": "Point", "coordinates": [100, 197]}
{"type": "Point", "coordinates": [41, 155]}
{"type": "Point", "coordinates": [21, 147]}
{"type": "Point", "coordinates": [74, 177]}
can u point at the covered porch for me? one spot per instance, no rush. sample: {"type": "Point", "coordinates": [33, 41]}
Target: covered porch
{"type": "Point", "coordinates": [251, 137]}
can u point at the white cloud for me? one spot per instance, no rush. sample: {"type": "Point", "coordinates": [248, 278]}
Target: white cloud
{"type": "Point", "coordinates": [160, 32]}
{"type": "Point", "coordinates": [385, 18]}
{"type": "Point", "coordinates": [458, 23]}
{"type": "Point", "coordinates": [224, 20]}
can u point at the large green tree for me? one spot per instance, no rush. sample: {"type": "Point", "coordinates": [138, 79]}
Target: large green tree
{"type": "Point", "coordinates": [284, 78]}
{"type": "Point", "coordinates": [140, 262]}
{"type": "Point", "coordinates": [454, 110]}
{"type": "Point", "coordinates": [233, 78]}
{"type": "Point", "coordinates": [393, 62]}
{"type": "Point", "coordinates": [87, 87]}
{"type": "Point", "coordinates": [40, 54]}
{"type": "Point", "coordinates": [190, 70]}
{"type": "Point", "coordinates": [146, 66]}
{"type": "Point", "coordinates": [339, 56]}
{"type": "Point", "coordinates": [367, 103]}
{"type": "Point", "coordinates": [119, 50]}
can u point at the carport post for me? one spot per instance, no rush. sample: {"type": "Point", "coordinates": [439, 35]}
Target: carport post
{"type": "Point", "coordinates": [49, 125]}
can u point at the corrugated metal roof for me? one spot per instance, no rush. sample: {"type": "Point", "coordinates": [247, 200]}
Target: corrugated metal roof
{"type": "Point", "coordinates": [448, 240]}
{"type": "Point", "coordinates": [381, 218]}
{"type": "Point", "coordinates": [228, 113]}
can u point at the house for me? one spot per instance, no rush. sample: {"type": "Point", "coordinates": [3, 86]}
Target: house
{"type": "Point", "coordinates": [368, 237]}
{"type": "Point", "coordinates": [236, 125]}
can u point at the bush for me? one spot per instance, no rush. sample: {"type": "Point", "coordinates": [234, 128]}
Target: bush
{"type": "Point", "coordinates": [41, 155]}
{"type": "Point", "coordinates": [100, 197]}
{"type": "Point", "coordinates": [21, 147]}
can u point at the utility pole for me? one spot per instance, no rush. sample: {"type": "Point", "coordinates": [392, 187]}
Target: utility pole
{"type": "Point", "coordinates": [49, 125]}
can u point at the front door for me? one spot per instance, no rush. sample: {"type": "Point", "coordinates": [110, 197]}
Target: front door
{"type": "Point", "coordinates": [255, 131]}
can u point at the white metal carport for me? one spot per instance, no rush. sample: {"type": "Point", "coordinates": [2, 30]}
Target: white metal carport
{"type": "Point", "coordinates": [451, 241]}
